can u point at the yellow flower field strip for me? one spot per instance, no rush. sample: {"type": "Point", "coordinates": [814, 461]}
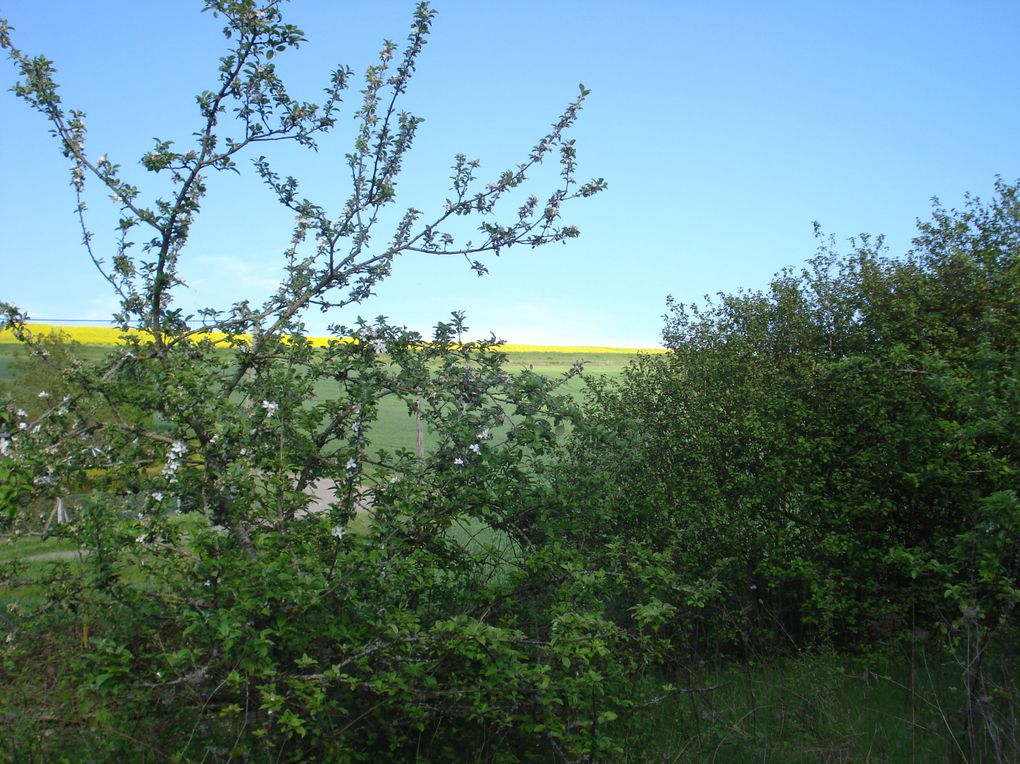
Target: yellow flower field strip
{"type": "Point", "coordinates": [86, 335]}
{"type": "Point", "coordinates": [511, 347]}
{"type": "Point", "coordinates": [108, 335]}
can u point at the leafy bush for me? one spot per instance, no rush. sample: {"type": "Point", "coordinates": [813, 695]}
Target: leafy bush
{"type": "Point", "coordinates": [837, 457]}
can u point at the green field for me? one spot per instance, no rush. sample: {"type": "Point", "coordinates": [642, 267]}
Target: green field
{"type": "Point", "coordinates": [395, 428]}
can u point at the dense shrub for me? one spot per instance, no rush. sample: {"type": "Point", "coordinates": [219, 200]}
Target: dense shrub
{"type": "Point", "coordinates": [838, 455]}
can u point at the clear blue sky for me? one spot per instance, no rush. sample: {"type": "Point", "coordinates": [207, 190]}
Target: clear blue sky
{"type": "Point", "coordinates": [723, 129]}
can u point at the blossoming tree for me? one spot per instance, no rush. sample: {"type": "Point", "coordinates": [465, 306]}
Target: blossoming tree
{"type": "Point", "coordinates": [444, 615]}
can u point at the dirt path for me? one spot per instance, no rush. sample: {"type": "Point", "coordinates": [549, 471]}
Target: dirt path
{"type": "Point", "coordinates": [323, 491]}
{"type": "Point", "coordinates": [67, 554]}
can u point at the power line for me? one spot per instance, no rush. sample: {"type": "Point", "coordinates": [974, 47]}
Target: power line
{"type": "Point", "coordinates": [107, 321]}
{"type": "Point", "coordinates": [69, 321]}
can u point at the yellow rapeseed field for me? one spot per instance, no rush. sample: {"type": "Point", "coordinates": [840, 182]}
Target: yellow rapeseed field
{"type": "Point", "coordinates": [86, 335]}
{"type": "Point", "coordinates": [582, 349]}
{"type": "Point", "coordinates": [107, 335]}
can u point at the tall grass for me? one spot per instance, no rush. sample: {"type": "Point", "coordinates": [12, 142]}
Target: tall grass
{"type": "Point", "coordinates": [813, 708]}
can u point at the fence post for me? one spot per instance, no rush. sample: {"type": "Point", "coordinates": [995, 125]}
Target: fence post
{"type": "Point", "coordinates": [419, 427]}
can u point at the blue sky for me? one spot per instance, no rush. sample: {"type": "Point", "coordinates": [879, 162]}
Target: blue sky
{"type": "Point", "coordinates": [723, 129]}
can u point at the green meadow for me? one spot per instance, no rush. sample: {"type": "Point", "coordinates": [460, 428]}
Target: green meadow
{"type": "Point", "coordinates": [395, 427]}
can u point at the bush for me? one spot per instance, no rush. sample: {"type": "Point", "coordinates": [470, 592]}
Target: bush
{"type": "Point", "coordinates": [837, 457]}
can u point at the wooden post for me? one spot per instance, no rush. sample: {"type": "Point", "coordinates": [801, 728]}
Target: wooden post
{"type": "Point", "coordinates": [419, 426]}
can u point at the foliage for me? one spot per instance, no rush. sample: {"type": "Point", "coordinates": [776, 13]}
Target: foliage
{"type": "Point", "coordinates": [832, 462]}
{"type": "Point", "coordinates": [837, 457]}
{"type": "Point", "coordinates": [430, 610]}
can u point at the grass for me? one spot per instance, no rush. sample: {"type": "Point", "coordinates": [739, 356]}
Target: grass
{"type": "Point", "coordinates": [39, 556]}
{"type": "Point", "coordinates": [31, 561]}
{"type": "Point", "coordinates": [14, 548]}
{"type": "Point", "coordinates": [812, 708]}
{"type": "Point", "coordinates": [395, 427]}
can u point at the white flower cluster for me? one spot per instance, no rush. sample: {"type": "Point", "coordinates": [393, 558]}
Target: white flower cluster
{"type": "Point", "coordinates": [174, 456]}
{"type": "Point", "coordinates": [270, 407]}
{"type": "Point", "coordinates": [7, 438]}
{"type": "Point", "coordinates": [475, 448]}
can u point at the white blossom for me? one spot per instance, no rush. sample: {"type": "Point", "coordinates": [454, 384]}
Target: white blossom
{"type": "Point", "coordinates": [475, 448]}
{"type": "Point", "coordinates": [351, 464]}
{"type": "Point", "coordinates": [338, 532]}
{"type": "Point", "coordinates": [270, 407]}
{"type": "Point", "coordinates": [173, 459]}
{"type": "Point", "coordinates": [43, 394]}
{"type": "Point", "coordinates": [485, 434]}
{"type": "Point", "coordinates": [157, 496]}
{"type": "Point", "coordinates": [458, 461]}
{"type": "Point", "coordinates": [21, 413]}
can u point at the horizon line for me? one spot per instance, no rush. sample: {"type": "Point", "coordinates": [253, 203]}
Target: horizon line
{"type": "Point", "coordinates": [110, 336]}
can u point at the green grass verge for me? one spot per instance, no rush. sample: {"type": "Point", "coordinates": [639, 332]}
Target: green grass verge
{"type": "Point", "coordinates": [814, 708]}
